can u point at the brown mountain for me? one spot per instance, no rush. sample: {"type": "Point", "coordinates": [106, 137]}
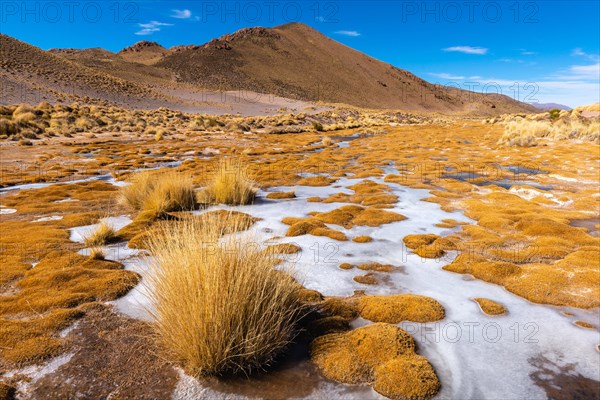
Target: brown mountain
{"type": "Point", "coordinates": [143, 52]}
{"type": "Point", "coordinates": [292, 61]}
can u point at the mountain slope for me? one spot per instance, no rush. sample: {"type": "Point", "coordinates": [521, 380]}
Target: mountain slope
{"type": "Point", "coordinates": [294, 60]}
{"type": "Point", "coordinates": [29, 73]}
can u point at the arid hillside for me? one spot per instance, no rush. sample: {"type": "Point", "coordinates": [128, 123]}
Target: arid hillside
{"type": "Point", "coordinates": [291, 61]}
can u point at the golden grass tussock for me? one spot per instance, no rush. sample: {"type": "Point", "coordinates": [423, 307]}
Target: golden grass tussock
{"type": "Point", "coordinates": [528, 131]}
{"type": "Point", "coordinates": [281, 195]}
{"type": "Point", "coordinates": [394, 309]}
{"type": "Point", "coordinates": [155, 194]}
{"type": "Point", "coordinates": [362, 239]}
{"type": "Point", "coordinates": [381, 355]}
{"type": "Point", "coordinates": [490, 307]}
{"type": "Point", "coordinates": [237, 221]}
{"type": "Point", "coordinates": [97, 253]}
{"type": "Point", "coordinates": [219, 306]}
{"type": "Point", "coordinates": [103, 234]}
{"type": "Point", "coordinates": [229, 185]}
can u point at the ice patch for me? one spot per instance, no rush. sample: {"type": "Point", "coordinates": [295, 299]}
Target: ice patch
{"type": "Point", "coordinates": [78, 234]}
{"type": "Point", "coordinates": [51, 218]}
{"type": "Point", "coordinates": [475, 355]}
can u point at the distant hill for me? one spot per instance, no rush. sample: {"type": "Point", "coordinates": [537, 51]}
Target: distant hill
{"type": "Point", "coordinates": [292, 61]}
{"type": "Point", "coordinates": [551, 106]}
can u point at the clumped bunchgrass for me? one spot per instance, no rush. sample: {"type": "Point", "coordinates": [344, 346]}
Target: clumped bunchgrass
{"type": "Point", "coordinates": [159, 193]}
{"type": "Point", "coordinates": [97, 253]}
{"type": "Point", "coordinates": [219, 306]}
{"type": "Point", "coordinates": [529, 131]}
{"type": "Point", "coordinates": [229, 185]}
{"type": "Point", "coordinates": [102, 235]}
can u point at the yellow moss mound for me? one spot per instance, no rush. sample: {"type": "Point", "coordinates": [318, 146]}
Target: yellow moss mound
{"type": "Point", "coordinates": [316, 181]}
{"type": "Point", "coordinates": [281, 195]}
{"type": "Point", "coordinates": [341, 307]}
{"type": "Point", "coordinates": [415, 241]}
{"type": "Point", "coordinates": [490, 307]}
{"type": "Point", "coordinates": [367, 279]}
{"type": "Point", "coordinates": [348, 216]}
{"type": "Point", "coordinates": [401, 307]}
{"type": "Point", "coordinates": [46, 302]}
{"type": "Point", "coordinates": [284, 248]}
{"type": "Point", "coordinates": [430, 251]}
{"type": "Point", "coordinates": [406, 378]}
{"type": "Point", "coordinates": [377, 267]}
{"type": "Point", "coordinates": [311, 226]}
{"type": "Point", "coordinates": [382, 355]}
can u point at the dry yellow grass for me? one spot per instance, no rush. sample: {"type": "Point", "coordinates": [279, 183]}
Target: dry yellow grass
{"type": "Point", "coordinates": [97, 253]}
{"type": "Point", "coordinates": [527, 132]}
{"type": "Point", "coordinates": [219, 306]}
{"type": "Point", "coordinates": [156, 194]}
{"type": "Point", "coordinates": [230, 185]}
{"type": "Point", "coordinates": [103, 234]}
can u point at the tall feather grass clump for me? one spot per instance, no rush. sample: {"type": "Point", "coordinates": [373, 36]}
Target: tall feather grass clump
{"type": "Point", "coordinates": [102, 235]}
{"type": "Point", "coordinates": [229, 185]}
{"type": "Point", "coordinates": [156, 194]}
{"type": "Point", "coordinates": [219, 306]}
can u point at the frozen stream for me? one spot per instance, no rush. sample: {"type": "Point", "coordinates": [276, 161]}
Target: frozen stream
{"type": "Point", "coordinates": [474, 355]}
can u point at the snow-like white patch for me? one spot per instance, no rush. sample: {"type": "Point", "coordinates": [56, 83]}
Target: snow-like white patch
{"type": "Point", "coordinates": [568, 179]}
{"type": "Point", "coordinates": [6, 211]}
{"type": "Point", "coordinates": [36, 372]}
{"type": "Point", "coordinates": [51, 218]}
{"type": "Point", "coordinates": [475, 355]}
{"type": "Point", "coordinates": [67, 200]}
{"type": "Point", "coordinates": [78, 234]}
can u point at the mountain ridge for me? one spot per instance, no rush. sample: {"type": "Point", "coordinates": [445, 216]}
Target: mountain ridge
{"type": "Point", "coordinates": [292, 61]}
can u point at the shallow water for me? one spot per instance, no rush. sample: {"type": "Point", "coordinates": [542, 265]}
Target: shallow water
{"type": "Point", "coordinates": [475, 355]}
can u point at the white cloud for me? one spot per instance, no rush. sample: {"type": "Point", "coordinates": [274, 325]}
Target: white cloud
{"type": "Point", "coordinates": [578, 52]}
{"type": "Point", "coordinates": [527, 52]}
{"type": "Point", "coordinates": [181, 14]}
{"type": "Point", "coordinates": [511, 60]}
{"type": "Point", "coordinates": [586, 71]}
{"type": "Point", "coordinates": [574, 86]}
{"type": "Point", "coordinates": [467, 50]}
{"type": "Point", "coordinates": [348, 33]}
{"type": "Point", "coordinates": [445, 75]}
{"type": "Point", "coordinates": [150, 27]}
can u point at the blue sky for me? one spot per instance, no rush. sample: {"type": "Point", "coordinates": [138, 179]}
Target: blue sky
{"type": "Point", "coordinates": [546, 51]}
